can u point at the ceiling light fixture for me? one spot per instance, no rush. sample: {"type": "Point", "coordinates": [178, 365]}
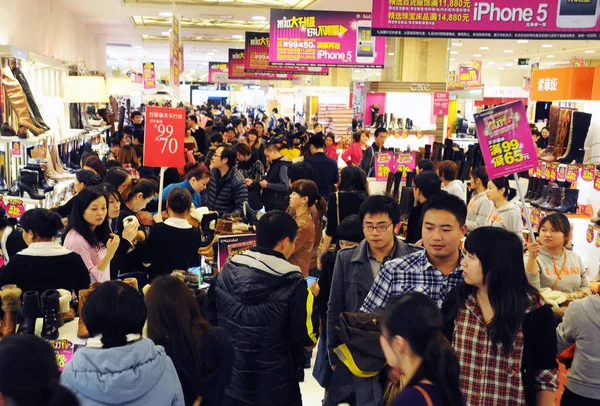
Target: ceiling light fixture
{"type": "Point", "coordinates": [452, 59]}
{"type": "Point", "coordinates": [508, 64]}
{"type": "Point", "coordinates": [477, 55]}
{"type": "Point", "coordinates": [485, 66]}
{"type": "Point", "coordinates": [491, 63]}
{"type": "Point", "coordinates": [166, 33]}
{"type": "Point", "coordinates": [453, 52]}
{"type": "Point", "coordinates": [500, 68]}
{"type": "Point", "coordinates": [391, 54]}
{"type": "Point", "coordinates": [522, 41]}
{"type": "Point", "coordinates": [457, 44]}
{"type": "Point", "coordinates": [237, 36]}
{"type": "Point", "coordinates": [165, 14]}
{"type": "Point", "coordinates": [508, 51]}
{"type": "Point", "coordinates": [549, 56]}
{"type": "Point", "coordinates": [547, 46]}
{"type": "Point", "coordinates": [484, 48]}
{"type": "Point", "coordinates": [590, 51]}
{"type": "Point", "coordinates": [259, 18]}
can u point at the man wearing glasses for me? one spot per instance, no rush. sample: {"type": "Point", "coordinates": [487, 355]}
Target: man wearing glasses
{"type": "Point", "coordinates": [356, 269]}
{"type": "Point", "coordinates": [367, 163]}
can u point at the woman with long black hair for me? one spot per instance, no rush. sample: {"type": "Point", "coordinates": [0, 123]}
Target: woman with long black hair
{"type": "Point", "coordinates": [502, 332]}
{"type": "Point", "coordinates": [413, 341]}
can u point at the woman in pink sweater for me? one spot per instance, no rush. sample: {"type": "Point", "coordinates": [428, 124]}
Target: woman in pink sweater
{"type": "Point", "coordinates": [354, 154]}
{"type": "Point", "coordinates": [89, 233]}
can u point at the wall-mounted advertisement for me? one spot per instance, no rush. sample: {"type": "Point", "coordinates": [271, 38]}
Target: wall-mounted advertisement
{"type": "Point", "coordinates": [470, 76]}
{"type": "Point", "coordinates": [324, 38]}
{"type": "Point", "coordinates": [237, 61]}
{"type": "Point", "coordinates": [218, 72]}
{"type": "Point", "coordinates": [502, 19]}
{"type": "Point", "coordinates": [257, 58]}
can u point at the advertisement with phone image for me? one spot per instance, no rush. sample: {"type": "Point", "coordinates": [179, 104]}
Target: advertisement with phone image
{"type": "Point", "coordinates": [324, 38]}
{"type": "Point", "coordinates": [503, 19]}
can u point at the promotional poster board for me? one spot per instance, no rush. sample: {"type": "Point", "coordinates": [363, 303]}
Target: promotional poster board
{"type": "Point", "coordinates": [231, 245]}
{"type": "Point", "coordinates": [324, 38]}
{"type": "Point", "coordinates": [164, 135]}
{"type": "Point", "coordinates": [505, 140]}
{"type": "Point", "coordinates": [502, 19]}
{"type": "Point", "coordinates": [149, 75]}
{"type": "Point", "coordinates": [218, 71]}
{"type": "Point", "coordinates": [470, 76]}
{"type": "Point", "coordinates": [441, 101]}
{"type": "Point", "coordinates": [257, 58]}
{"type": "Point", "coordinates": [237, 71]}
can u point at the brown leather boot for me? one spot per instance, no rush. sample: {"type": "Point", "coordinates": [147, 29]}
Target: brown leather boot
{"type": "Point", "coordinates": [18, 101]}
{"type": "Point", "coordinates": [82, 331]}
{"type": "Point", "coordinates": [66, 314]}
{"type": "Point", "coordinates": [11, 304]}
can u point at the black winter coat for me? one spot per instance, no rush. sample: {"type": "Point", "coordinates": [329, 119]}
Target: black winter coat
{"type": "Point", "coordinates": [275, 195]}
{"type": "Point", "coordinates": [226, 194]}
{"type": "Point", "coordinates": [263, 305]}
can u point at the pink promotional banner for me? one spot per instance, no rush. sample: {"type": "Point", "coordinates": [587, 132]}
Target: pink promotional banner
{"type": "Point", "coordinates": [324, 38]}
{"type": "Point", "coordinates": [257, 58]}
{"type": "Point", "coordinates": [149, 75]}
{"type": "Point", "coordinates": [502, 19]}
{"type": "Point", "coordinates": [505, 139]}
{"type": "Point", "coordinates": [441, 101]}
{"type": "Point", "coordinates": [470, 76]}
{"type": "Point", "coordinates": [236, 69]}
{"type": "Point", "coordinates": [218, 72]}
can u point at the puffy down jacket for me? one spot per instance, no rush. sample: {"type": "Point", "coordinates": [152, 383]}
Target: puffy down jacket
{"type": "Point", "coordinates": [226, 194]}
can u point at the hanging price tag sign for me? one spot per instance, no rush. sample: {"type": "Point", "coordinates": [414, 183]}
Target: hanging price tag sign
{"type": "Point", "coordinates": [538, 172]}
{"type": "Point", "coordinates": [15, 208]}
{"type": "Point", "coordinates": [588, 173]}
{"type": "Point", "coordinates": [15, 149]}
{"type": "Point", "coordinates": [404, 134]}
{"type": "Point", "coordinates": [589, 236]}
{"type": "Point", "coordinates": [572, 173]}
{"type": "Point", "coordinates": [598, 239]}
{"type": "Point", "coordinates": [165, 134]}
{"type": "Point", "coordinates": [419, 134]}
{"type": "Point", "coordinates": [63, 351]}
{"type": "Point", "coordinates": [547, 172]}
{"type": "Point", "coordinates": [597, 182]}
{"type": "Point", "coordinates": [553, 169]}
{"type": "Point", "coordinates": [562, 173]}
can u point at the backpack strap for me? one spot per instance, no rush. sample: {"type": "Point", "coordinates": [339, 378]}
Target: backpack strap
{"type": "Point", "coordinates": [425, 395]}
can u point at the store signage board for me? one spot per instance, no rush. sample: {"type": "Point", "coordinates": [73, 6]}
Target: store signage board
{"type": "Point", "coordinates": [577, 62]}
{"type": "Point", "coordinates": [15, 149]}
{"type": "Point", "coordinates": [324, 38]}
{"type": "Point", "coordinates": [562, 84]}
{"type": "Point", "coordinates": [231, 245]}
{"type": "Point", "coordinates": [218, 71]}
{"type": "Point", "coordinates": [505, 140]}
{"type": "Point", "coordinates": [257, 58]}
{"type": "Point", "coordinates": [384, 165]}
{"type": "Point", "coordinates": [500, 19]}
{"type": "Point", "coordinates": [149, 75]}
{"type": "Point", "coordinates": [470, 76]}
{"type": "Point", "coordinates": [441, 101]}
{"type": "Point", "coordinates": [164, 135]}
{"type": "Point", "coordinates": [237, 71]}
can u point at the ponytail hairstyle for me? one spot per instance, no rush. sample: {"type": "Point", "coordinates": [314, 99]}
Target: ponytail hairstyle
{"type": "Point", "coordinates": [147, 187]}
{"type": "Point", "coordinates": [29, 374]}
{"type": "Point", "coordinates": [88, 178]}
{"type": "Point", "coordinates": [416, 318]}
{"type": "Point", "coordinates": [502, 183]}
{"type": "Point", "coordinates": [179, 200]}
{"type": "Point", "coordinates": [114, 309]}
{"type": "Point", "coordinates": [43, 223]}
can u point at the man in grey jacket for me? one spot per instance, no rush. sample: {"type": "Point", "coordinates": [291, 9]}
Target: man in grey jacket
{"type": "Point", "coordinates": [581, 326]}
{"type": "Point", "coordinates": [355, 271]}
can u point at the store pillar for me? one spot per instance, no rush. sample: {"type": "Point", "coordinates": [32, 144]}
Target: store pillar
{"type": "Point", "coordinates": [416, 60]}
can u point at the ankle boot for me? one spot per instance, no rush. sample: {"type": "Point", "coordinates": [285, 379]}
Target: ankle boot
{"type": "Point", "coordinates": [37, 116]}
{"type": "Point", "coordinates": [397, 182]}
{"type": "Point", "coordinates": [82, 331]}
{"type": "Point", "coordinates": [410, 176]}
{"type": "Point", "coordinates": [409, 202]}
{"type": "Point", "coordinates": [42, 182]}
{"type": "Point", "coordinates": [29, 312]}
{"type": "Point", "coordinates": [569, 203]}
{"type": "Point", "coordinates": [555, 198]}
{"type": "Point", "coordinates": [427, 152]}
{"type": "Point", "coordinates": [28, 182]}
{"type": "Point", "coordinates": [67, 313]}
{"type": "Point", "coordinates": [50, 311]}
{"type": "Point", "coordinates": [390, 183]}
{"type": "Point", "coordinates": [537, 193]}
{"type": "Point", "coordinates": [11, 304]}
{"type": "Point", "coordinates": [549, 192]}
{"type": "Point", "coordinates": [530, 187]}
{"type": "Point", "coordinates": [18, 101]}
{"type": "Point", "coordinates": [543, 196]}
{"type": "Point", "coordinates": [580, 128]}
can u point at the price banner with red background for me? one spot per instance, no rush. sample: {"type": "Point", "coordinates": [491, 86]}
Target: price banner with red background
{"type": "Point", "coordinates": [15, 208]}
{"type": "Point", "coordinates": [164, 138]}
{"type": "Point", "coordinates": [588, 173]}
{"type": "Point", "coordinates": [505, 139]}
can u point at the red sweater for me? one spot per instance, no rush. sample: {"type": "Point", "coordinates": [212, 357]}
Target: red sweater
{"type": "Point", "coordinates": [353, 155]}
{"type": "Point", "coordinates": [331, 152]}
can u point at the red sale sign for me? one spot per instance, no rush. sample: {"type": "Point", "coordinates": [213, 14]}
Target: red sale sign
{"type": "Point", "coordinates": [165, 134]}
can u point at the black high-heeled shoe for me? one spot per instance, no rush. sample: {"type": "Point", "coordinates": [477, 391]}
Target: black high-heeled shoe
{"type": "Point", "coordinates": [14, 189]}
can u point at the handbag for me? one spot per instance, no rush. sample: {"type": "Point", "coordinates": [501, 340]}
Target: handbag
{"type": "Point", "coordinates": [391, 391]}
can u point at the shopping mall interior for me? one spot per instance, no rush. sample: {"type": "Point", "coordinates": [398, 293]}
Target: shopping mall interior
{"type": "Point", "coordinates": [498, 86]}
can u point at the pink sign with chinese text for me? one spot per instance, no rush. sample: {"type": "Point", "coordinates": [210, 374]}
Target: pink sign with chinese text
{"type": "Point", "coordinates": [505, 140]}
{"type": "Point", "coordinates": [441, 101]}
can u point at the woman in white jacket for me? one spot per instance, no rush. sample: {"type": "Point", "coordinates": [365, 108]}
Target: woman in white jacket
{"type": "Point", "coordinates": [505, 214]}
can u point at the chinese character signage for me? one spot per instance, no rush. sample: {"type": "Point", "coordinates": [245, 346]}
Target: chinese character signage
{"type": "Point", "coordinates": [453, 83]}
{"type": "Point", "coordinates": [562, 84]}
{"type": "Point", "coordinates": [236, 69]}
{"type": "Point", "coordinates": [404, 162]}
{"type": "Point", "coordinates": [505, 139]}
{"type": "Point", "coordinates": [324, 38]}
{"type": "Point", "coordinates": [15, 208]}
{"type": "Point", "coordinates": [577, 62]}
{"type": "Point", "coordinates": [164, 137]}
{"type": "Point", "coordinates": [229, 246]}
{"type": "Point", "coordinates": [218, 72]}
{"type": "Point", "coordinates": [15, 149]}
{"type": "Point", "coordinates": [440, 103]}
{"type": "Point", "coordinates": [174, 53]}
{"type": "Point", "coordinates": [532, 19]}
{"type": "Point", "coordinates": [149, 75]}
{"type": "Point", "coordinates": [470, 76]}
{"type": "Point", "coordinates": [257, 58]}
{"type": "Point", "coordinates": [384, 164]}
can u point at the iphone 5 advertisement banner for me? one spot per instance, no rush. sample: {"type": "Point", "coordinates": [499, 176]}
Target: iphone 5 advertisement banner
{"type": "Point", "coordinates": [165, 134]}
{"type": "Point", "coordinates": [520, 19]}
{"type": "Point", "coordinates": [324, 38]}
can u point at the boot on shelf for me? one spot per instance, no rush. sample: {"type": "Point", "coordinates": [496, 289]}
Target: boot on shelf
{"type": "Point", "coordinates": [3, 186]}
{"type": "Point", "coordinates": [564, 131]}
{"type": "Point", "coordinates": [18, 101]}
{"type": "Point", "coordinates": [536, 194]}
{"type": "Point", "coordinates": [555, 198]}
{"type": "Point", "coordinates": [397, 182]}
{"type": "Point", "coordinates": [554, 122]}
{"type": "Point", "coordinates": [407, 202]}
{"type": "Point", "coordinates": [410, 177]}
{"type": "Point", "coordinates": [67, 313]}
{"type": "Point", "coordinates": [390, 183]}
{"type": "Point", "coordinates": [28, 182]}
{"type": "Point", "coordinates": [29, 312]}
{"type": "Point", "coordinates": [548, 196]}
{"type": "Point", "coordinates": [37, 116]}
{"type": "Point", "coordinates": [427, 152]}
{"type": "Point", "coordinates": [7, 131]}
{"type": "Point", "coordinates": [50, 311]}
{"type": "Point", "coordinates": [400, 124]}
{"type": "Point", "coordinates": [82, 331]}
{"type": "Point", "coordinates": [436, 153]}
{"type": "Point", "coordinates": [580, 128]}
{"type": "Point", "coordinates": [43, 183]}
{"type": "Point", "coordinates": [569, 204]}
{"type": "Point", "coordinates": [543, 196]}
{"type": "Point", "coordinates": [11, 304]}
{"type": "Point", "coordinates": [448, 150]}
{"type": "Point", "coordinates": [530, 187]}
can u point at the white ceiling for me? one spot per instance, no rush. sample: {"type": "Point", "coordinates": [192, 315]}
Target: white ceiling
{"type": "Point", "coordinates": [127, 50]}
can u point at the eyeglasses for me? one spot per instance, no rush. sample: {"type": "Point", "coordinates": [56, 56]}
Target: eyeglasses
{"type": "Point", "coordinates": [380, 229]}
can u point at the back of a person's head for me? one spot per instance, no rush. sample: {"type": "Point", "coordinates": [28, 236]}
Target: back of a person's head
{"type": "Point", "coordinates": [426, 165]}
{"type": "Point", "coordinates": [352, 179]}
{"type": "Point", "coordinates": [216, 137]}
{"type": "Point", "coordinates": [448, 169]}
{"type": "Point", "coordinates": [29, 374]}
{"type": "Point", "coordinates": [350, 229]}
{"type": "Point", "coordinates": [96, 164]}
{"type": "Point", "coordinates": [274, 227]}
{"type": "Point", "coordinates": [179, 200]}
{"type": "Point", "coordinates": [429, 183]}
{"type": "Point", "coordinates": [114, 309]}
{"type": "Point", "coordinates": [242, 149]}
{"type": "Point", "coordinates": [116, 176]}
{"type": "Point", "coordinates": [229, 154]}
{"type": "Point", "coordinates": [317, 141]}
{"type": "Point", "coordinates": [88, 178]}
{"type": "Point", "coordinates": [300, 170]}
{"type": "Point", "coordinates": [43, 223]}
{"type": "Point", "coordinates": [446, 202]}
{"type": "Point", "coordinates": [379, 204]}
{"type": "Point", "coordinates": [146, 186]}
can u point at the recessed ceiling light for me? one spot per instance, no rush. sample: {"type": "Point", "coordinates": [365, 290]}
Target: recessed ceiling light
{"type": "Point", "coordinates": [391, 54]}
{"type": "Point", "coordinates": [446, 48]}
{"type": "Point", "coordinates": [485, 66]}
{"type": "Point", "coordinates": [259, 18]}
{"type": "Point", "coordinates": [508, 64]}
{"type": "Point", "coordinates": [522, 41]}
{"type": "Point", "coordinates": [210, 53]}
{"type": "Point", "coordinates": [457, 44]}
{"type": "Point", "coordinates": [452, 59]}
{"type": "Point", "coordinates": [484, 48]}
{"type": "Point", "coordinates": [549, 56]}
{"type": "Point", "coordinates": [516, 60]}
{"type": "Point", "coordinates": [214, 50]}
{"type": "Point", "coordinates": [165, 33]}
{"type": "Point", "coordinates": [477, 55]}
{"type": "Point", "coordinates": [453, 52]}
{"type": "Point", "coordinates": [508, 51]}
{"type": "Point", "coordinates": [590, 51]}
{"type": "Point", "coordinates": [237, 36]}
{"type": "Point", "coordinates": [165, 14]}
{"type": "Point", "coordinates": [138, 46]}
{"type": "Point", "coordinates": [500, 68]}
{"type": "Point", "coordinates": [491, 63]}
{"type": "Point", "coordinates": [547, 46]}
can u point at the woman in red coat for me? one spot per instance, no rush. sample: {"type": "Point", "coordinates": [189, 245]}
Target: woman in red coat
{"type": "Point", "coordinates": [331, 147]}
{"type": "Point", "coordinates": [354, 154]}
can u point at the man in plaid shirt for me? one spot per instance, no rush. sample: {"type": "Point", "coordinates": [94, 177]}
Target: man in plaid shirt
{"type": "Point", "coordinates": [435, 271]}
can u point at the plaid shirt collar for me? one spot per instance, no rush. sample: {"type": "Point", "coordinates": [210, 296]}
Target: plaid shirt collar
{"type": "Point", "coordinates": [425, 264]}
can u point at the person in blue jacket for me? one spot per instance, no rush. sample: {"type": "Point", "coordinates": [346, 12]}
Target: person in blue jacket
{"type": "Point", "coordinates": [196, 182]}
